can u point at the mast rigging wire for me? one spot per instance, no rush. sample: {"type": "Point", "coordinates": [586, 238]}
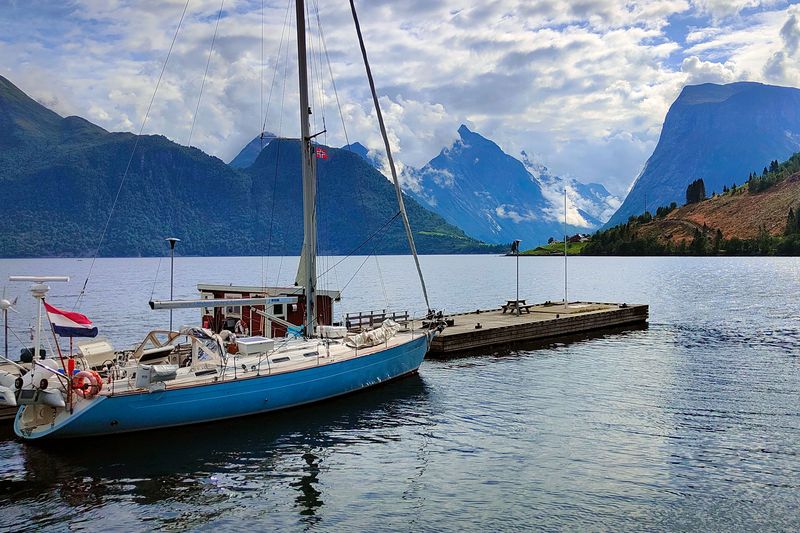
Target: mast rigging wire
{"type": "Point", "coordinates": [265, 267]}
{"type": "Point", "coordinates": [324, 49]}
{"type": "Point", "coordinates": [130, 160]}
{"type": "Point", "coordinates": [357, 248]}
{"type": "Point", "coordinates": [277, 155]}
{"type": "Point", "coordinates": [205, 74]}
{"type": "Point", "coordinates": [398, 191]}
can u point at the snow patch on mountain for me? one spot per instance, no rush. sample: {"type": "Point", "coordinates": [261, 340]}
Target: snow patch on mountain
{"type": "Point", "coordinates": [588, 205]}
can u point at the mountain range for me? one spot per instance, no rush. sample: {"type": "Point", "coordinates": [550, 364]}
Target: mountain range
{"type": "Point", "coordinates": [63, 177]}
{"type": "Point", "coordinates": [717, 133]}
{"type": "Point", "coordinates": [497, 198]}
{"type": "Point", "coordinates": [248, 155]}
{"type": "Point", "coordinates": [486, 192]}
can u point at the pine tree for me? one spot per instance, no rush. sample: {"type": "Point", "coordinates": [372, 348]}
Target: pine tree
{"type": "Point", "coordinates": [764, 241]}
{"type": "Point", "coordinates": [696, 192]}
{"type": "Point", "coordinates": [717, 241]}
{"type": "Point", "coordinates": [792, 226]}
{"type": "Point", "coordinates": [698, 246]}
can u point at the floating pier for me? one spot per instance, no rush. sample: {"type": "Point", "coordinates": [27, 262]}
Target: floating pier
{"type": "Point", "coordinates": [509, 324]}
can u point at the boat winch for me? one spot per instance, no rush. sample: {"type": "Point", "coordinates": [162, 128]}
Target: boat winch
{"type": "Point", "coordinates": [148, 375]}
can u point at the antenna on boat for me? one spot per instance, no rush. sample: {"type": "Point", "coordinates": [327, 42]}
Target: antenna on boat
{"type": "Point", "coordinates": [7, 305]}
{"type": "Point", "coordinates": [39, 290]}
{"type": "Point", "coordinates": [171, 241]}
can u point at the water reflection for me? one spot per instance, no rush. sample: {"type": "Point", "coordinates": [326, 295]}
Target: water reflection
{"type": "Point", "coordinates": [206, 466]}
{"type": "Point", "coordinates": [309, 498]}
{"type": "Point", "coordinates": [543, 345]}
{"type": "Point", "coordinates": [691, 424]}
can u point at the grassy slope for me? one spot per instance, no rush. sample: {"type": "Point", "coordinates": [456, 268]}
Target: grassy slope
{"type": "Point", "coordinates": [739, 214]}
{"type": "Point", "coordinates": [557, 248]}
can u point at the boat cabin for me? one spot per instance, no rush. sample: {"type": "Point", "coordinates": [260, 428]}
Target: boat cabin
{"type": "Point", "coordinates": [246, 320]}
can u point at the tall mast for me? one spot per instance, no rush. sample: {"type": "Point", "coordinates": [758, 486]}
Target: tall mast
{"type": "Point", "coordinates": [309, 179]}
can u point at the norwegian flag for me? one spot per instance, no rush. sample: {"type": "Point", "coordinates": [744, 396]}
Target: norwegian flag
{"type": "Point", "coordinates": [321, 153]}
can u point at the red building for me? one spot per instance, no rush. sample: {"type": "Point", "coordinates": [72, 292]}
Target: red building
{"type": "Point", "coordinates": [219, 318]}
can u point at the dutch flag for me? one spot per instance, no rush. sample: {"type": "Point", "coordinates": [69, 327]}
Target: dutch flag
{"type": "Point", "coordinates": [68, 324]}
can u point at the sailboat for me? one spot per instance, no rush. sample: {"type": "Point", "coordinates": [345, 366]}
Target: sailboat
{"type": "Point", "coordinates": [190, 376]}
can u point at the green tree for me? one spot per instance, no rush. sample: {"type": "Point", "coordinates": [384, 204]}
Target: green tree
{"type": "Point", "coordinates": [764, 242]}
{"type": "Point", "coordinates": [699, 242]}
{"type": "Point", "coordinates": [718, 241]}
{"type": "Point", "coordinates": [792, 226]}
{"type": "Point", "coordinates": [696, 192]}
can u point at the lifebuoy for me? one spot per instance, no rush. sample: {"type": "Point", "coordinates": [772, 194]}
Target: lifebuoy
{"type": "Point", "coordinates": [87, 383]}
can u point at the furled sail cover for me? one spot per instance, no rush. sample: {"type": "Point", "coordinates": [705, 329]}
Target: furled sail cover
{"type": "Point", "coordinates": [300, 277]}
{"type": "Point", "coordinates": [373, 337]}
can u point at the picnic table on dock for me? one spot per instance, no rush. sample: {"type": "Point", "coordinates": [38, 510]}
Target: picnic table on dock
{"type": "Point", "coordinates": [516, 305]}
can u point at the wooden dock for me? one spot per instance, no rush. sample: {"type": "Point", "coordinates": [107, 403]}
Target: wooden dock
{"type": "Point", "coordinates": [493, 327]}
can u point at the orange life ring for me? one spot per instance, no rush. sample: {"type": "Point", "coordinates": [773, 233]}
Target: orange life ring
{"type": "Point", "coordinates": [87, 383]}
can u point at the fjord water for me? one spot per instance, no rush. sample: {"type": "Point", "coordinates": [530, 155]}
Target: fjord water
{"type": "Point", "coordinates": [689, 424]}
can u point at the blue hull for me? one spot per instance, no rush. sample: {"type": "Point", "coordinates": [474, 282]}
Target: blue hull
{"type": "Point", "coordinates": [230, 399]}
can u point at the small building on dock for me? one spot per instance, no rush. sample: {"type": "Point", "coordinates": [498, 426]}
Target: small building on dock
{"type": "Point", "coordinates": [247, 319]}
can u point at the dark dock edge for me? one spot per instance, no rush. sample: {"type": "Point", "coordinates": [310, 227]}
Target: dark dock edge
{"type": "Point", "coordinates": [576, 323]}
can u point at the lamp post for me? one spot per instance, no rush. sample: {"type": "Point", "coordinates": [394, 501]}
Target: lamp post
{"type": "Point", "coordinates": [515, 251]}
{"type": "Point", "coordinates": [5, 305]}
{"type": "Point", "coordinates": [171, 241]}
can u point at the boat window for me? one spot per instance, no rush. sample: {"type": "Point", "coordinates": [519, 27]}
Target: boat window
{"type": "Point", "coordinates": [277, 309]}
{"type": "Point", "coordinates": [233, 310]}
{"type": "Point", "coordinates": [207, 296]}
{"type": "Point", "coordinates": [280, 359]}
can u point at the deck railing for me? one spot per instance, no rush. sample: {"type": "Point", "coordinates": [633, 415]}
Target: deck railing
{"type": "Point", "coordinates": [370, 319]}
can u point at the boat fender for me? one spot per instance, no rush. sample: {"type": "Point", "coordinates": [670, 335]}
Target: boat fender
{"type": "Point", "coordinates": [87, 383]}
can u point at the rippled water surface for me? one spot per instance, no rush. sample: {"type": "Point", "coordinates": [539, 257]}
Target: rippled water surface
{"type": "Point", "coordinates": [689, 424]}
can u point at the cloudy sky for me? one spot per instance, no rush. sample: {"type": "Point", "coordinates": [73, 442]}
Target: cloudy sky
{"type": "Point", "coordinates": [582, 85]}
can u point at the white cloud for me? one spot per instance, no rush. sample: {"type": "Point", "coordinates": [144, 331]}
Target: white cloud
{"type": "Point", "coordinates": [700, 71]}
{"type": "Point", "coordinates": [584, 84]}
{"type": "Point", "coordinates": [510, 212]}
{"type": "Point", "coordinates": [721, 9]}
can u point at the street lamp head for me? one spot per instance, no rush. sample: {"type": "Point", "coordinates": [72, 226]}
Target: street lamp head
{"type": "Point", "coordinates": [172, 241]}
